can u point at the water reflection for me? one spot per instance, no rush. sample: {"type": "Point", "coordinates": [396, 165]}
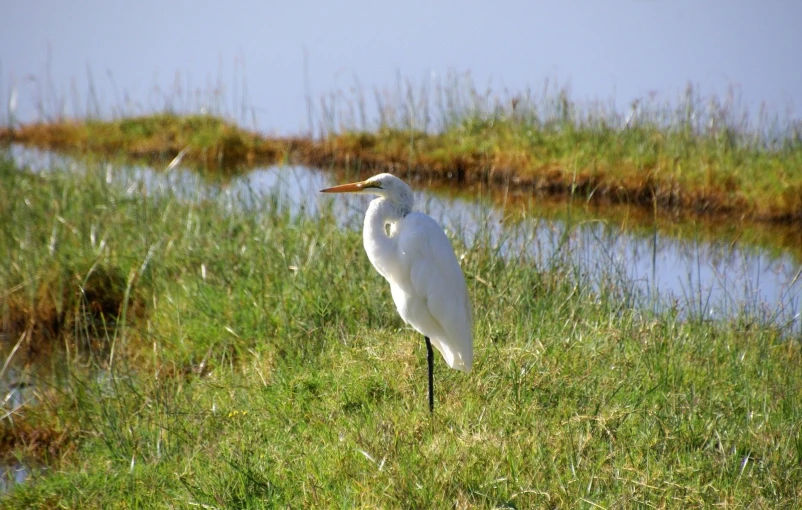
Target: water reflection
{"type": "Point", "coordinates": [701, 278]}
{"type": "Point", "coordinates": [18, 390]}
{"type": "Point", "coordinates": [39, 160]}
{"type": "Point", "coordinates": [12, 474]}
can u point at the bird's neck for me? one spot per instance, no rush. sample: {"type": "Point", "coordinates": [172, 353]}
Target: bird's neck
{"type": "Point", "coordinates": [382, 212]}
{"type": "Point", "coordinates": [379, 244]}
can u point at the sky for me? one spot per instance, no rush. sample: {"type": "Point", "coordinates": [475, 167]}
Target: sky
{"type": "Point", "coordinates": [615, 50]}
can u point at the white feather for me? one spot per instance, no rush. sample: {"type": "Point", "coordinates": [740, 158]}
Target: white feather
{"type": "Point", "coordinates": [417, 259]}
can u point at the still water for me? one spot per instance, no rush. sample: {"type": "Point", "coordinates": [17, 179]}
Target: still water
{"type": "Point", "coordinates": [702, 278]}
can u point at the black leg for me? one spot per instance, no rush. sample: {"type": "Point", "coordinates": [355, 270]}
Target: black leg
{"type": "Point", "coordinates": [430, 360]}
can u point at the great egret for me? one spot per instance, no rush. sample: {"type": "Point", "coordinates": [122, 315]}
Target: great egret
{"type": "Point", "coordinates": [410, 250]}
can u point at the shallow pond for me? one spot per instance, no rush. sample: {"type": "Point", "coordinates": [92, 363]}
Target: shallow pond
{"type": "Point", "coordinates": [704, 278]}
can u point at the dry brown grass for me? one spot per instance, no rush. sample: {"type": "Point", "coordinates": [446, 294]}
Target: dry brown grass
{"type": "Point", "coordinates": [37, 444]}
{"type": "Point", "coordinates": [61, 303]}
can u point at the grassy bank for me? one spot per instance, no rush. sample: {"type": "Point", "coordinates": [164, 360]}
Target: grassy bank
{"type": "Point", "coordinates": [696, 158]}
{"type": "Point", "coordinates": [246, 359]}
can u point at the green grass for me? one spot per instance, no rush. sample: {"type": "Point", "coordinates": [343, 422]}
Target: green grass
{"type": "Point", "coordinates": [253, 359]}
{"type": "Point", "coordinates": [704, 157]}
{"type": "Point", "coordinates": [211, 144]}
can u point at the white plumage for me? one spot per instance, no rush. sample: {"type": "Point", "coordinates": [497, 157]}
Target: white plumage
{"type": "Point", "coordinates": [411, 251]}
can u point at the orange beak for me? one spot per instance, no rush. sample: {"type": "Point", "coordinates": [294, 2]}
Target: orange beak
{"type": "Point", "coordinates": [346, 188]}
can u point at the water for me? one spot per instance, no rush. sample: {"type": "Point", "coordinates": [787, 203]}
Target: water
{"type": "Point", "coordinates": [12, 474]}
{"type": "Point", "coordinates": [702, 278]}
{"type": "Point", "coordinates": [17, 389]}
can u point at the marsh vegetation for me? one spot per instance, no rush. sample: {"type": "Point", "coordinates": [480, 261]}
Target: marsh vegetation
{"type": "Point", "coordinates": [230, 350]}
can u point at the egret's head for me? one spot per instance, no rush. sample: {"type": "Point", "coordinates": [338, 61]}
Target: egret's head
{"type": "Point", "coordinates": [386, 186]}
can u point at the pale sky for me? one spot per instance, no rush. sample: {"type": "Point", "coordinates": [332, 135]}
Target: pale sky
{"type": "Point", "coordinates": [606, 50]}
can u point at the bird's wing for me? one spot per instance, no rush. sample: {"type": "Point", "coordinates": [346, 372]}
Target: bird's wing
{"type": "Point", "coordinates": [436, 276]}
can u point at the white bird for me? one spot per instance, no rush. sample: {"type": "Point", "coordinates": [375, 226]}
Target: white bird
{"type": "Point", "coordinates": [411, 251]}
